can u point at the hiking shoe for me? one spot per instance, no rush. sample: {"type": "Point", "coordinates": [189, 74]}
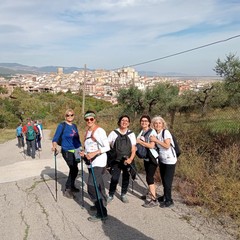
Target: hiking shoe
{"type": "Point", "coordinates": [161, 199]}
{"type": "Point", "coordinates": [93, 208]}
{"type": "Point", "coordinates": [68, 194]}
{"type": "Point", "coordinates": [97, 218]}
{"type": "Point", "coordinates": [124, 199]}
{"type": "Point", "coordinates": [74, 189]}
{"type": "Point", "coordinates": [152, 203]}
{"type": "Point", "coordinates": [110, 198]}
{"type": "Point", "coordinates": [167, 204]}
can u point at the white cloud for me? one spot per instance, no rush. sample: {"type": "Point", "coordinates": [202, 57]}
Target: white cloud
{"type": "Point", "coordinates": [115, 33]}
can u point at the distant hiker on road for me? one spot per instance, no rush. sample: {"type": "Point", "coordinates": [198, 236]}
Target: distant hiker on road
{"type": "Point", "coordinates": [38, 136]}
{"type": "Point", "coordinates": [67, 137]}
{"type": "Point", "coordinates": [20, 136]}
{"type": "Point", "coordinates": [123, 147]}
{"type": "Point", "coordinates": [30, 132]}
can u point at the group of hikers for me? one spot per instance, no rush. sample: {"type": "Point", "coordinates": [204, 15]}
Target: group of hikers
{"type": "Point", "coordinates": [116, 152]}
{"type": "Point", "coordinates": [32, 134]}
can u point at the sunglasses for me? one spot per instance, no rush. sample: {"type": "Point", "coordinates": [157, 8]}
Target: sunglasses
{"type": "Point", "coordinates": [89, 119]}
{"type": "Point", "coordinates": [69, 115]}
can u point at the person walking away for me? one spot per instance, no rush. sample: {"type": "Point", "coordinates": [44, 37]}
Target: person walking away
{"type": "Point", "coordinates": [67, 133]}
{"type": "Point", "coordinates": [123, 147]}
{"type": "Point", "coordinates": [38, 137]}
{"type": "Point", "coordinates": [20, 136]}
{"type": "Point", "coordinates": [149, 164]}
{"type": "Point", "coordinates": [30, 132]}
{"type": "Point", "coordinates": [95, 147]}
{"type": "Point", "coordinates": [168, 159]}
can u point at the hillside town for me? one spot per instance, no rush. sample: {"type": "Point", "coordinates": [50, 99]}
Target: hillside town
{"type": "Point", "coordinates": [101, 84]}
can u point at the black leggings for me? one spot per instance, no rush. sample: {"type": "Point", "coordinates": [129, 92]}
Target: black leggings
{"type": "Point", "coordinates": [150, 169]}
{"type": "Point", "coordinates": [69, 157]}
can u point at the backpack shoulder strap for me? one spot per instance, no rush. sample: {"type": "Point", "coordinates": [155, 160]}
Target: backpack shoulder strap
{"type": "Point", "coordinates": [163, 131]}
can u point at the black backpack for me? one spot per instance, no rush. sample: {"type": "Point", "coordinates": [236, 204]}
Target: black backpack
{"type": "Point", "coordinates": [121, 149]}
{"type": "Point", "coordinates": [142, 152]}
{"type": "Point", "coordinates": [176, 145]}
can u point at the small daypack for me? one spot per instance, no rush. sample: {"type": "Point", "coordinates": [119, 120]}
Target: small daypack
{"type": "Point", "coordinates": [121, 149]}
{"type": "Point", "coordinates": [176, 145]}
{"type": "Point", "coordinates": [142, 152]}
{"type": "Point", "coordinates": [30, 134]}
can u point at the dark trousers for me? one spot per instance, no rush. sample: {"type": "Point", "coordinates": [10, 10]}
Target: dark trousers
{"type": "Point", "coordinates": [69, 157]}
{"type": "Point", "coordinates": [116, 169]}
{"type": "Point", "coordinates": [38, 141]}
{"type": "Point", "coordinates": [31, 148]}
{"type": "Point", "coordinates": [20, 141]}
{"type": "Point", "coordinates": [167, 173]}
{"type": "Point", "coordinates": [150, 169]}
{"type": "Point", "coordinates": [100, 200]}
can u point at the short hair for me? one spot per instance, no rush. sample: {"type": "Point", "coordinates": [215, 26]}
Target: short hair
{"type": "Point", "coordinates": [147, 117]}
{"type": "Point", "coordinates": [159, 118]}
{"type": "Point", "coordinates": [120, 119]}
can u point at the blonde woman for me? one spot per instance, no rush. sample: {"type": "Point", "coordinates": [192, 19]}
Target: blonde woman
{"type": "Point", "coordinates": [167, 158]}
{"type": "Point", "coordinates": [70, 143]}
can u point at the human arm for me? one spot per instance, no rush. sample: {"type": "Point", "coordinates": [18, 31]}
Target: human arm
{"type": "Point", "coordinates": [165, 143]}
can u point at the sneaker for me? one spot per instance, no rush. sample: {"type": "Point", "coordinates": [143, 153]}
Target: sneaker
{"type": "Point", "coordinates": [166, 204]}
{"type": "Point", "coordinates": [68, 194]}
{"type": "Point", "coordinates": [161, 199]}
{"type": "Point", "coordinates": [110, 199]}
{"type": "Point", "coordinates": [93, 208]}
{"type": "Point", "coordinates": [97, 218]}
{"type": "Point", "coordinates": [124, 199]}
{"type": "Point", "coordinates": [150, 204]}
{"type": "Point", "coordinates": [74, 189]}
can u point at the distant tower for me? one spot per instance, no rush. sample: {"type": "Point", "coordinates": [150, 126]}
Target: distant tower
{"type": "Point", "coordinates": [60, 70]}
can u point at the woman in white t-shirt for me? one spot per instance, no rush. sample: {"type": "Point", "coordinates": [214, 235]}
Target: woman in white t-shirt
{"type": "Point", "coordinates": [168, 159]}
{"type": "Point", "coordinates": [95, 147]}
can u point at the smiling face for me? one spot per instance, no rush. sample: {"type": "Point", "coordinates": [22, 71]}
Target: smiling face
{"type": "Point", "coordinates": [144, 123]}
{"type": "Point", "coordinates": [69, 116]}
{"type": "Point", "coordinates": [124, 123]}
{"type": "Point", "coordinates": [90, 121]}
{"type": "Point", "coordinates": [158, 125]}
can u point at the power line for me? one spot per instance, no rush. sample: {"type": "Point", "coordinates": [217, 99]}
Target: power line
{"type": "Point", "coordinates": [185, 51]}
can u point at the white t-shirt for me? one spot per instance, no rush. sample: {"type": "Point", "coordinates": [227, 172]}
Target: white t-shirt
{"type": "Point", "coordinates": [112, 137]}
{"type": "Point", "coordinates": [167, 156]}
{"type": "Point", "coordinates": [101, 143]}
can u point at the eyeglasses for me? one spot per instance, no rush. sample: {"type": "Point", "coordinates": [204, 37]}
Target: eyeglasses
{"type": "Point", "coordinates": [89, 119]}
{"type": "Point", "coordinates": [69, 115]}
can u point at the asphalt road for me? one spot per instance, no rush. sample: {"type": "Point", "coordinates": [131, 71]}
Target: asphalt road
{"type": "Point", "coordinates": [30, 211]}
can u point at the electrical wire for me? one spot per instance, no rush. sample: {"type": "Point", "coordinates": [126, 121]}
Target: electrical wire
{"type": "Point", "coordinates": [185, 51]}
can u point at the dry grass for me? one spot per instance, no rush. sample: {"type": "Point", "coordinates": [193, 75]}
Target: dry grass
{"type": "Point", "coordinates": [7, 134]}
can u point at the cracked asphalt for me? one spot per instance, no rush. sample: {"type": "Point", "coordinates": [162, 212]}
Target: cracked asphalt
{"type": "Point", "coordinates": [30, 210]}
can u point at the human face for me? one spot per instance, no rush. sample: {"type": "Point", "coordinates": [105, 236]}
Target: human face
{"type": "Point", "coordinates": [90, 121]}
{"type": "Point", "coordinates": [69, 116]}
{"type": "Point", "coordinates": [158, 126]}
{"type": "Point", "coordinates": [124, 123]}
{"type": "Point", "coordinates": [145, 123]}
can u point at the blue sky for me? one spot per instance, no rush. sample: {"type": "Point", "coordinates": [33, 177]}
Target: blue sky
{"type": "Point", "coordinates": [110, 34]}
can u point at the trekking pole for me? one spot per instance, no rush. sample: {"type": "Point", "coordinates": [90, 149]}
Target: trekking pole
{"type": "Point", "coordinates": [96, 189]}
{"type": "Point", "coordinates": [134, 169]}
{"type": "Point", "coordinates": [55, 159]}
{"type": "Point", "coordinates": [82, 182]}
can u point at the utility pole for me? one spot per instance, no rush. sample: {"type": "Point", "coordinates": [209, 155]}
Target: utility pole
{"type": "Point", "coordinates": [84, 89]}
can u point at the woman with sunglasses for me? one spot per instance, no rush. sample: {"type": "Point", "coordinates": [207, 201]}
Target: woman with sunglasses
{"type": "Point", "coordinates": [70, 143]}
{"type": "Point", "coordinates": [95, 147]}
